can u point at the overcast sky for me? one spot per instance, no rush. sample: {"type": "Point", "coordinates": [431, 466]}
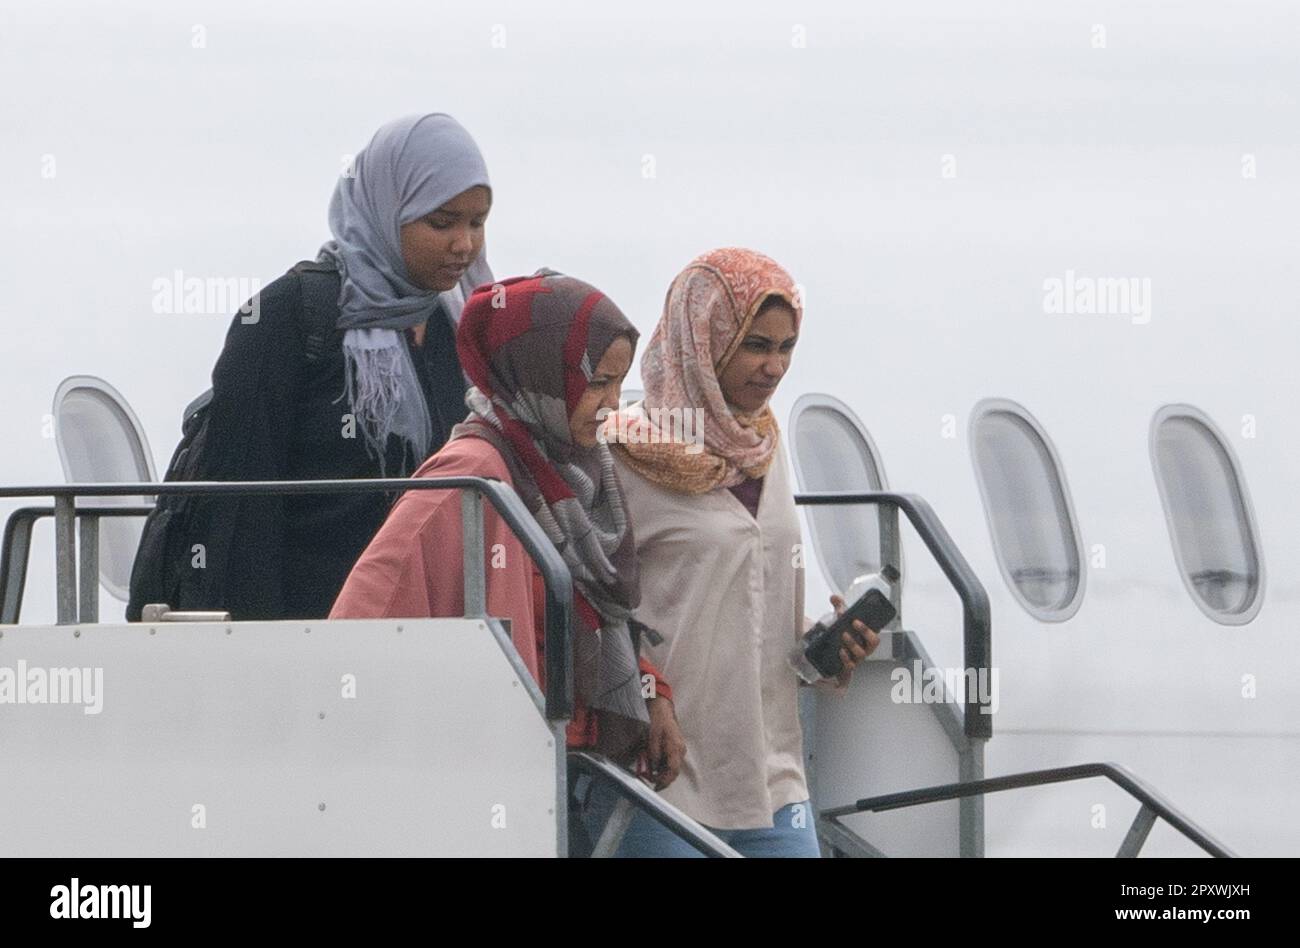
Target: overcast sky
{"type": "Point", "coordinates": [622, 140]}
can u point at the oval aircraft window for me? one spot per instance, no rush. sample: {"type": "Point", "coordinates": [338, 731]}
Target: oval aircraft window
{"type": "Point", "coordinates": [1211, 522]}
{"type": "Point", "coordinates": [1027, 503]}
{"type": "Point", "coordinates": [100, 440]}
{"type": "Point", "coordinates": [832, 452]}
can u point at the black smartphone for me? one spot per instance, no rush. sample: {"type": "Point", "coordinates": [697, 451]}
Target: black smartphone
{"type": "Point", "coordinates": [824, 642]}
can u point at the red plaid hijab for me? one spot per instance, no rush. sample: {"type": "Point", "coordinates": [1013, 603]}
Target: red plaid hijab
{"type": "Point", "coordinates": [529, 346]}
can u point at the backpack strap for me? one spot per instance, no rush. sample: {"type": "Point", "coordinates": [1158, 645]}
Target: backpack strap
{"type": "Point", "coordinates": [320, 305]}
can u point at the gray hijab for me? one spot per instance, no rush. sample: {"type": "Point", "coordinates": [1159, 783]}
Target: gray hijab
{"type": "Point", "coordinates": [411, 167]}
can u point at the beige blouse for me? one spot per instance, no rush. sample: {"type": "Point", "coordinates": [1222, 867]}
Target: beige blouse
{"type": "Point", "coordinates": [726, 592]}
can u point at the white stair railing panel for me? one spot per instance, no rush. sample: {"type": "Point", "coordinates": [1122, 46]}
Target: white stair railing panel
{"type": "Point", "coordinates": [363, 737]}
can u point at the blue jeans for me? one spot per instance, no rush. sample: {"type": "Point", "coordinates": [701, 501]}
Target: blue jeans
{"type": "Point", "coordinates": [793, 833]}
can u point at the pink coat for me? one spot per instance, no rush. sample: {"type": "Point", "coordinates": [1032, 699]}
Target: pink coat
{"type": "Point", "coordinates": [412, 567]}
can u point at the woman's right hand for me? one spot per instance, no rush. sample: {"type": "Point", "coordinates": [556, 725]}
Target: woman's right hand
{"type": "Point", "coordinates": [667, 745]}
{"type": "Point", "coordinates": [853, 651]}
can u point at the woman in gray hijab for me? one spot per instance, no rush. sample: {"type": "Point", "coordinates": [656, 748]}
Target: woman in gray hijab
{"type": "Point", "coordinates": [399, 257]}
{"type": "Point", "coordinates": [345, 367]}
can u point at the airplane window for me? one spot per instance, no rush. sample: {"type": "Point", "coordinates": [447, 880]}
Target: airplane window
{"type": "Point", "coordinates": [100, 439]}
{"type": "Point", "coordinates": [1027, 502]}
{"type": "Point", "coordinates": [1211, 524]}
{"type": "Point", "coordinates": [832, 452]}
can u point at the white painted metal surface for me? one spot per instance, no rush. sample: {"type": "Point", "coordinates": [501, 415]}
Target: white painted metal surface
{"type": "Point", "coordinates": [867, 745]}
{"type": "Point", "coordinates": [246, 743]}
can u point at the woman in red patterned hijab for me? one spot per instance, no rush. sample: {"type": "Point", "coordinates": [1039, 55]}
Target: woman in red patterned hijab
{"type": "Point", "coordinates": [525, 402]}
{"type": "Point", "coordinates": [544, 354]}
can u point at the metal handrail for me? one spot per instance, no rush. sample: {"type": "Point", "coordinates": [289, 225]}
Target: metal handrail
{"type": "Point", "coordinates": [1153, 805]}
{"type": "Point", "coordinates": [643, 798]}
{"type": "Point", "coordinates": [977, 629]}
{"type": "Point", "coordinates": [16, 548]}
{"type": "Point", "coordinates": [556, 578]}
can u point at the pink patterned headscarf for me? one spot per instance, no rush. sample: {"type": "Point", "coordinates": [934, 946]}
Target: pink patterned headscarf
{"type": "Point", "coordinates": [708, 311]}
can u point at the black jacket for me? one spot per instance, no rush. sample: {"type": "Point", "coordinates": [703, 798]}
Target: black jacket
{"type": "Point", "coordinates": [278, 413]}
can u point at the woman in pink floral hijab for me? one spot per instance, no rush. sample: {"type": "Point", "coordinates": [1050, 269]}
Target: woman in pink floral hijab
{"type": "Point", "coordinates": [708, 312]}
{"type": "Point", "coordinates": [720, 555]}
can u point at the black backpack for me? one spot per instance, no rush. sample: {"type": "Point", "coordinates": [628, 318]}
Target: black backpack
{"type": "Point", "coordinates": [155, 576]}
